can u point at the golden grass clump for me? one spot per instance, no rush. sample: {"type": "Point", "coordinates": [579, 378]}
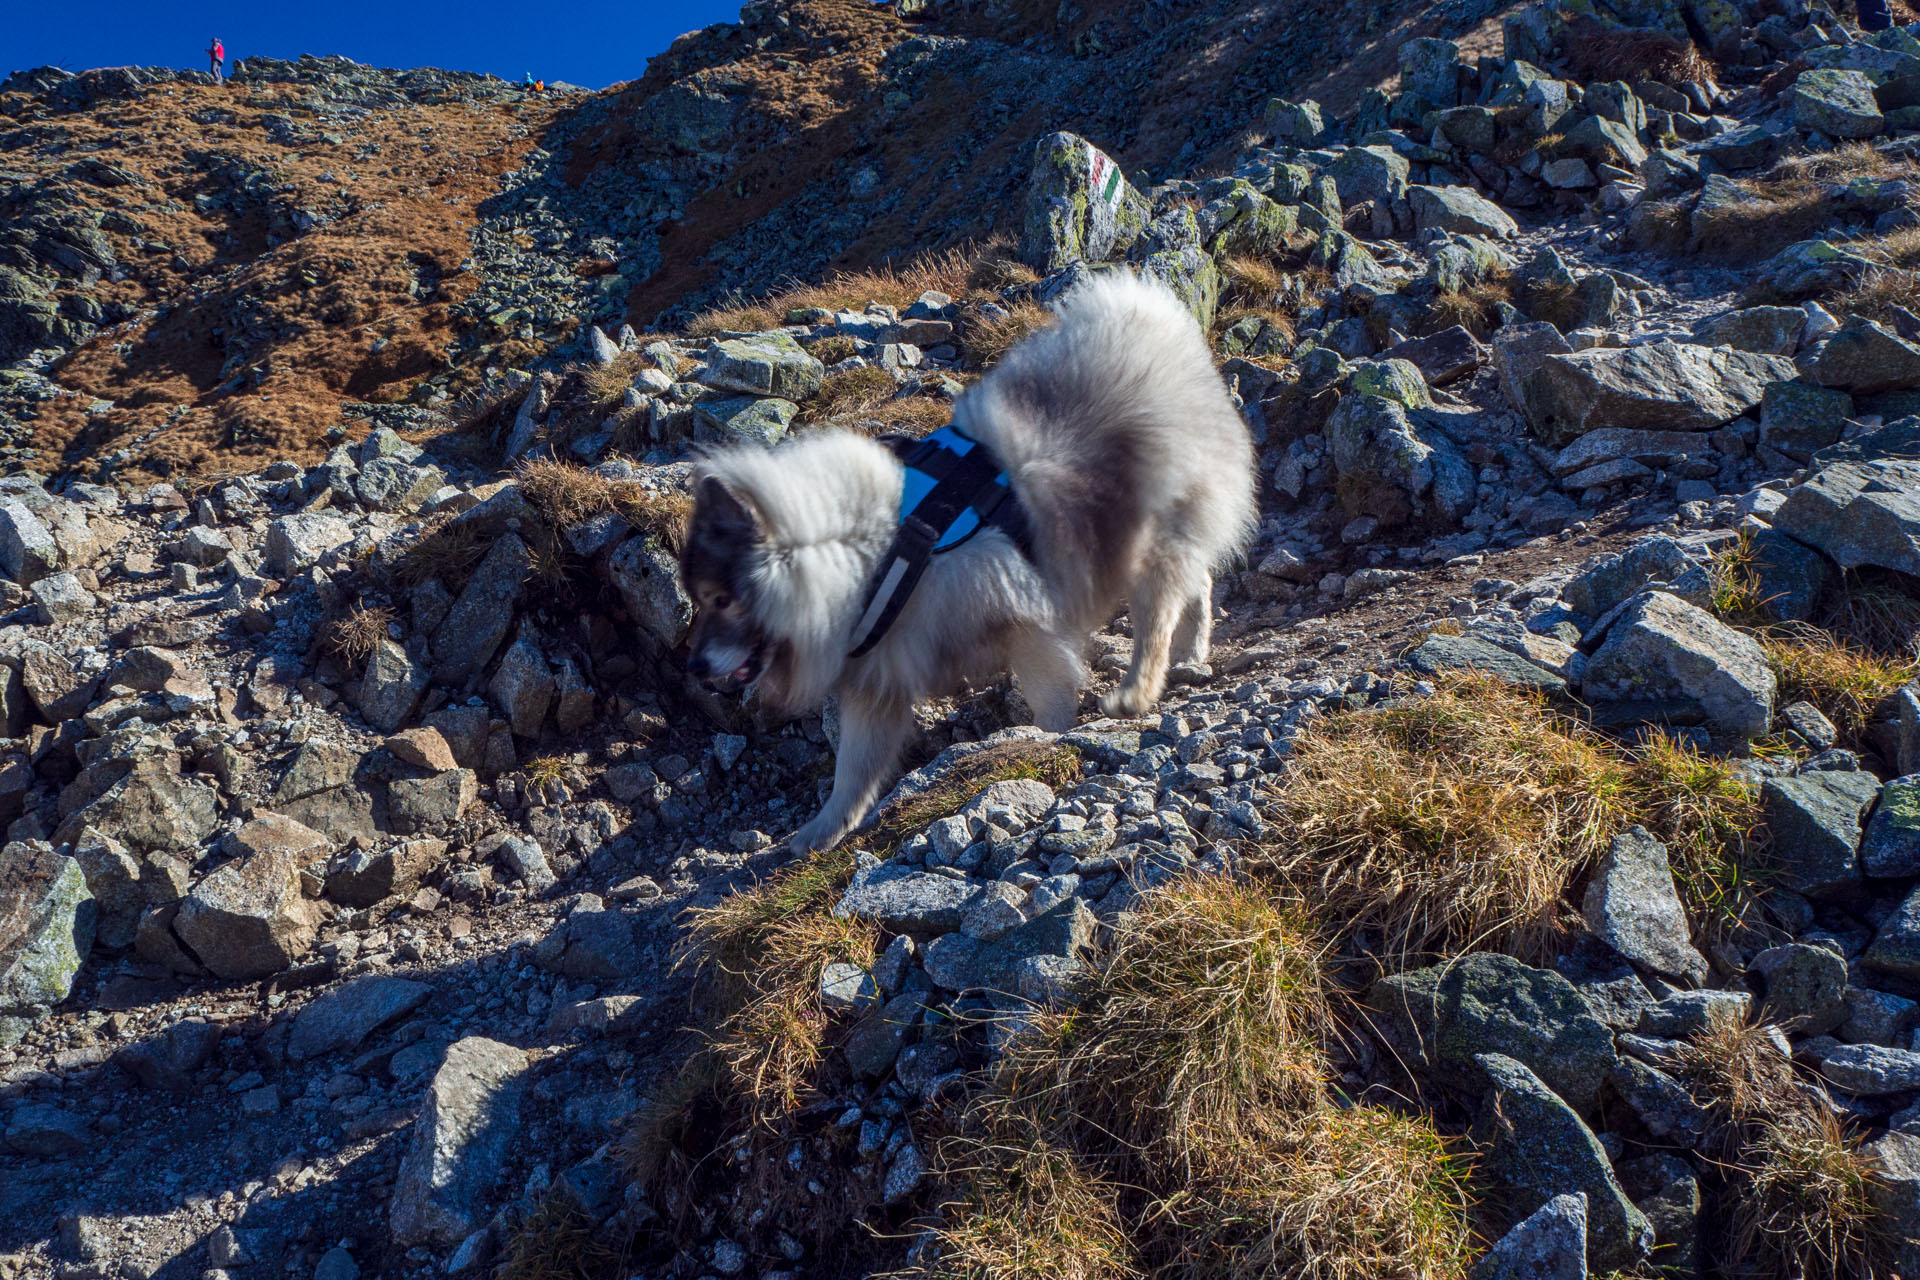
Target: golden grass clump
{"type": "Point", "coordinates": [1452, 821]}
{"type": "Point", "coordinates": [988, 338]}
{"type": "Point", "coordinates": [833, 348]}
{"type": "Point", "coordinates": [849, 391]}
{"type": "Point", "coordinates": [445, 551]}
{"type": "Point", "coordinates": [948, 271]}
{"type": "Point", "coordinates": [1845, 681]}
{"type": "Point", "coordinates": [1029, 1209]}
{"type": "Point", "coordinates": [1475, 308]}
{"type": "Point", "coordinates": [1799, 1190]}
{"type": "Point", "coordinates": [1359, 1193]}
{"type": "Point", "coordinates": [565, 494]}
{"type": "Point", "coordinates": [605, 383]}
{"type": "Point", "coordinates": [760, 953]}
{"type": "Point", "coordinates": [1204, 1020]}
{"type": "Point", "coordinates": [1175, 1121]}
{"type": "Point", "coordinates": [1596, 52]}
{"type": "Point", "coordinates": [353, 637]}
{"type": "Point", "coordinates": [1461, 820]}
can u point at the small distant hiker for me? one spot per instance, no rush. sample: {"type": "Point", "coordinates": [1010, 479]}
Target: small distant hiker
{"type": "Point", "coordinates": [217, 60]}
{"type": "Point", "coordinates": [1875, 15]}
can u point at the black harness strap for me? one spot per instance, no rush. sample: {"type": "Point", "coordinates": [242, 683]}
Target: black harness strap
{"type": "Point", "coordinates": [967, 489]}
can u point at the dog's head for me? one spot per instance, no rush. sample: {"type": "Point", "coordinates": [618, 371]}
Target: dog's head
{"type": "Point", "coordinates": [726, 539]}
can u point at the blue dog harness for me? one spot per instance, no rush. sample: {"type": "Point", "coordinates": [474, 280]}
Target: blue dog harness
{"type": "Point", "coordinates": [953, 488]}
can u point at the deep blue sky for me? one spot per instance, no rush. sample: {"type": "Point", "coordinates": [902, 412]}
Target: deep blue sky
{"type": "Point", "coordinates": [594, 45]}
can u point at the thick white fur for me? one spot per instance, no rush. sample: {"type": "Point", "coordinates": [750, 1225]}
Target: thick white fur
{"type": "Point", "coordinates": [1136, 472]}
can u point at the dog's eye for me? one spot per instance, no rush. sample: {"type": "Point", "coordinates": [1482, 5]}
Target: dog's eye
{"type": "Point", "coordinates": [721, 601]}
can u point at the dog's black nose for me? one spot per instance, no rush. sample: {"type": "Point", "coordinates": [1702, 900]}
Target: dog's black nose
{"type": "Point", "coordinates": [698, 667]}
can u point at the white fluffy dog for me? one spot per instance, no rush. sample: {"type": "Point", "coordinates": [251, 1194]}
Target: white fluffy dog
{"type": "Point", "coordinates": [1135, 476]}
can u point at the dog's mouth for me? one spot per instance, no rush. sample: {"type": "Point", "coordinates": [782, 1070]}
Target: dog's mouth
{"type": "Point", "coordinates": [744, 675]}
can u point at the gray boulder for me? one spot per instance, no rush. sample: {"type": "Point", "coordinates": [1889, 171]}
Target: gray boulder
{"type": "Point", "coordinates": [907, 901]}
{"type": "Point", "coordinates": [1815, 821]}
{"type": "Point", "coordinates": [1663, 648]}
{"type": "Point", "coordinates": [1859, 512]}
{"type": "Point", "coordinates": [46, 930]}
{"type": "Point", "coordinates": [1865, 357]}
{"type": "Point", "coordinates": [1459, 209]}
{"type": "Point", "coordinates": [1080, 207]}
{"type": "Point", "coordinates": [1674, 386]}
{"type": "Point", "coordinates": [345, 1016]}
{"type": "Point", "coordinates": [1035, 962]}
{"type": "Point", "coordinates": [27, 549]}
{"type": "Point", "coordinates": [150, 810]}
{"type": "Point", "coordinates": [461, 1141]}
{"type": "Point", "coordinates": [298, 541]}
{"type": "Point", "coordinates": [391, 686]}
{"type": "Point", "coordinates": [467, 640]}
{"type": "Point", "coordinates": [1441, 1018]}
{"type": "Point", "coordinates": [1871, 1070]}
{"type": "Point", "coordinates": [1806, 987]}
{"type": "Point", "coordinates": [765, 364]}
{"type": "Point", "coordinates": [1891, 846]}
{"type": "Point", "coordinates": [249, 919]}
{"type": "Point", "coordinates": [1439, 654]}
{"type": "Point", "coordinates": [1896, 1194]}
{"type": "Point", "coordinates": [523, 687]}
{"type": "Point", "coordinates": [1773, 331]}
{"type": "Point", "coordinates": [647, 577]}
{"type": "Point", "coordinates": [1549, 1244]}
{"type": "Point", "coordinates": [1537, 1148]}
{"type": "Point", "coordinates": [1788, 575]}
{"type": "Point", "coordinates": [1896, 944]}
{"type": "Point", "coordinates": [1839, 104]}
{"type": "Point", "coordinates": [1631, 904]}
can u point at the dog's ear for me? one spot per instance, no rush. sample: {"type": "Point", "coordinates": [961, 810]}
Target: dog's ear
{"type": "Point", "coordinates": [724, 512]}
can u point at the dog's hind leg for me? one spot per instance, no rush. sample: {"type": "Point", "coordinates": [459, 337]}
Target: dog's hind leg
{"type": "Point", "coordinates": [1048, 668]}
{"type": "Point", "coordinates": [1160, 596]}
{"type": "Point", "coordinates": [1193, 638]}
{"type": "Point", "coordinates": [872, 732]}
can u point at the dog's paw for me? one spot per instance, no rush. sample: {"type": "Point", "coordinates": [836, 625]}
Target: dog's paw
{"type": "Point", "coordinates": [816, 835]}
{"type": "Point", "coordinates": [1125, 704]}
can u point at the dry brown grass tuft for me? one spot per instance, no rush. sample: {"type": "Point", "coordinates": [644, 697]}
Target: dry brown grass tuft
{"type": "Point", "coordinates": [353, 637]}
{"type": "Point", "coordinates": [1251, 281]}
{"type": "Point", "coordinates": [1200, 1026]}
{"type": "Point", "coordinates": [1800, 1191]}
{"type": "Point", "coordinates": [1346, 1194]}
{"type": "Point", "coordinates": [1175, 1121]}
{"type": "Point", "coordinates": [949, 271]}
{"type": "Point", "coordinates": [1808, 1208]}
{"type": "Point", "coordinates": [997, 267]}
{"type": "Point", "coordinates": [775, 1039]}
{"type": "Point", "coordinates": [564, 494]}
{"type": "Point", "coordinates": [1596, 52]}
{"type": "Point", "coordinates": [1029, 1210]}
{"type": "Point", "coordinates": [1846, 682]}
{"type": "Point", "coordinates": [479, 410]}
{"type": "Point", "coordinates": [987, 338]}
{"type": "Point", "coordinates": [833, 348]}
{"type": "Point", "coordinates": [849, 391]}
{"type": "Point", "coordinates": [1876, 610]}
{"type": "Point", "coordinates": [606, 383]}
{"type": "Point", "coordinates": [1449, 822]}
{"type": "Point", "coordinates": [909, 415]}
{"type": "Point", "coordinates": [446, 551]}
{"type": "Point", "coordinates": [1477, 308]}
{"type": "Point", "coordinates": [1789, 203]}
{"type": "Point", "coordinates": [558, 1242]}
{"type": "Point", "coordinates": [1556, 301]}
{"type": "Point", "coordinates": [1460, 820]}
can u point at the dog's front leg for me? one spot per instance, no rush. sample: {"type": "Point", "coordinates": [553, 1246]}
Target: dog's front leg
{"type": "Point", "coordinates": [872, 732]}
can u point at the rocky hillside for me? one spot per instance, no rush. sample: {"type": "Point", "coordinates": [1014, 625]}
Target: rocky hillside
{"type": "Point", "coordinates": [1528, 886]}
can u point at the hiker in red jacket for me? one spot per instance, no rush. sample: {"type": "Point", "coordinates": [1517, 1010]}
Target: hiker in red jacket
{"type": "Point", "coordinates": [217, 57]}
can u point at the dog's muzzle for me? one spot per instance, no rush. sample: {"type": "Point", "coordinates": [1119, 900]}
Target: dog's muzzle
{"type": "Point", "coordinates": [740, 677]}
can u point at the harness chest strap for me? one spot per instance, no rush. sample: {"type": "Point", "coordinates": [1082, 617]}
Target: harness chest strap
{"type": "Point", "coordinates": [952, 488]}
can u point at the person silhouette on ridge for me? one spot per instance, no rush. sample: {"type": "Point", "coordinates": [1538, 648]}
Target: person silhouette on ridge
{"type": "Point", "coordinates": [216, 59]}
